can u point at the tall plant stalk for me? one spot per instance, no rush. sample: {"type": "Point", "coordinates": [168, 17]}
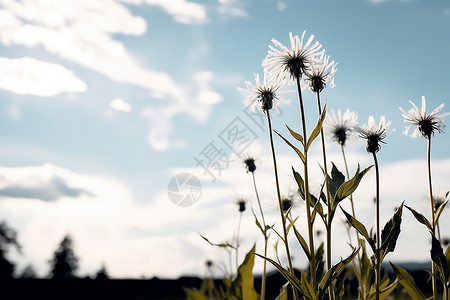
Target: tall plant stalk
{"type": "Point", "coordinates": [312, 263]}
{"type": "Point", "coordinates": [377, 250]}
{"type": "Point", "coordinates": [266, 238]}
{"type": "Point", "coordinates": [237, 241]}
{"type": "Point", "coordinates": [433, 218]}
{"type": "Point", "coordinates": [283, 218]}
{"type": "Point", "coordinates": [327, 188]}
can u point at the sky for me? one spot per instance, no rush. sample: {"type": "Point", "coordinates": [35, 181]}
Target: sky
{"type": "Point", "coordinates": [106, 105]}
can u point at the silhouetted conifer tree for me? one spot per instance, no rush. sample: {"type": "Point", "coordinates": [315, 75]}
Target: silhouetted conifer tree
{"type": "Point", "coordinates": [102, 274]}
{"type": "Point", "coordinates": [8, 239]}
{"type": "Point", "coordinates": [64, 262]}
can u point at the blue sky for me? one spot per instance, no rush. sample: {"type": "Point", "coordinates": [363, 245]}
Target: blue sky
{"type": "Point", "coordinates": [104, 102]}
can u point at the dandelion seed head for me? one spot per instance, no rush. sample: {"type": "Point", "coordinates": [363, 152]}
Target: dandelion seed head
{"type": "Point", "coordinates": [265, 93]}
{"type": "Point", "coordinates": [321, 72]}
{"type": "Point", "coordinates": [293, 62]}
{"type": "Point", "coordinates": [374, 134]}
{"type": "Point", "coordinates": [341, 126]}
{"type": "Point", "coordinates": [241, 204]}
{"type": "Point", "coordinates": [424, 124]}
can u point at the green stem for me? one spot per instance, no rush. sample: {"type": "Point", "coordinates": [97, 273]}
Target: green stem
{"type": "Point", "coordinates": [237, 241]}
{"type": "Point", "coordinates": [348, 177]}
{"type": "Point", "coordinates": [362, 287]}
{"type": "Point", "coordinates": [263, 280]}
{"type": "Point", "coordinates": [327, 187]}
{"type": "Point", "coordinates": [377, 250]}
{"type": "Point", "coordinates": [283, 219]}
{"type": "Point", "coordinates": [312, 262]}
{"type": "Point", "coordinates": [433, 218]}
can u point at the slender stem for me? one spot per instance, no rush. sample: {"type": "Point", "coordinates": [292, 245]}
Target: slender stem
{"type": "Point", "coordinates": [263, 281]}
{"type": "Point", "coordinates": [362, 287]}
{"type": "Point", "coordinates": [348, 177]}
{"type": "Point", "coordinates": [312, 262]}
{"type": "Point", "coordinates": [327, 187]}
{"type": "Point", "coordinates": [237, 241]}
{"type": "Point", "coordinates": [377, 250]}
{"type": "Point", "coordinates": [433, 218]}
{"type": "Point", "coordinates": [283, 219]}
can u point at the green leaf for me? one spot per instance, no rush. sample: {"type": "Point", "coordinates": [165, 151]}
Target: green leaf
{"type": "Point", "coordinates": [243, 286]}
{"type": "Point", "coordinates": [307, 290]}
{"type": "Point", "coordinates": [333, 273]}
{"type": "Point", "coordinates": [439, 210]}
{"type": "Point", "coordinates": [263, 231]}
{"type": "Point", "coordinates": [385, 289]}
{"type": "Point", "coordinates": [317, 129]}
{"type": "Point", "coordinates": [336, 180]}
{"type": "Point", "coordinates": [221, 245]}
{"type": "Point", "coordinates": [447, 255]}
{"type": "Point", "coordinates": [303, 243]}
{"type": "Point", "coordinates": [290, 225]}
{"type": "Point", "coordinates": [348, 187]}
{"type": "Point", "coordinates": [295, 135]}
{"type": "Point", "coordinates": [283, 292]}
{"type": "Point", "coordinates": [390, 233]}
{"type": "Point", "coordinates": [300, 154]}
{"type": "Point", "coordinates": [361, 229]}
{"type": "Point", "coordinates": [407, 282]}
{"type": "Point", "coordinates": [437, 255]}
{"type": "Point", "coordinates": [300, 183]}
{"type": "Point", "coordinates": [192, 294]}
{"type": "Point", "coordinates": [291, 278]}
{"type": "Point", "coordinates": [421, 218]}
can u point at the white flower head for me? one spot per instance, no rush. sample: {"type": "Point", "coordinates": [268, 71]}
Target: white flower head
{"type": "Point", "coordinates": [291, 63]}
{"type": "Point", "coordinates": [266, 94]}
{"type": "Point", "coordinates": [373, 133]}
{"type": "Point", "coordinates": [321, 72]}
{"type": "Point", "coordinates": [341, 126]}
{"type": "Point", "coordinates": [424, 124]}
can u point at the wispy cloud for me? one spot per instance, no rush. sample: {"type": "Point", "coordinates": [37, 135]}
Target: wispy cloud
{"type": "Point", "coordinates": [232, 8]}
{"type": "Point", "coordinates": [46, 183]}
{"type": "Point", "coordinates": [84, 33]}
{"type": "Point", "coordinates": [81, 32]}
{"type": "Point", "coordinates": [183, 11]}
{"type": "Point", "coordinates": [31, 76]}
{"type": "Point", "coordinates": [198, 106]}
{"type": "Point", "coordinates": [120, 105]}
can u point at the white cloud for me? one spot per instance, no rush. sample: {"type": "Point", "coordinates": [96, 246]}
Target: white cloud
{"type": "Point", "coordinates": [120, 105]}
{"type": "Point", "coordinates": [231, 8]}
{"type": "Point", "coordinates": [183, 11]}
{"type": "Point", "coordinates": [135, 239]}
{"type": "Point", "coordinates": [31, 76]}
{"type": "Point", "coordinates": [199, 107]}
{"type": "Point", "coordinates": [81, 31]}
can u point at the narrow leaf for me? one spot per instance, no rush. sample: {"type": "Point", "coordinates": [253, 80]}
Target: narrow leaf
{"type": "Point", "coordinates": [407, 282]}
{"type": "Point", "coordinates": [437, 255]}
{"type": "Point", "coordinates": [348, 187]}
{"type": "Point", "coordinates": [334, 272]}
{"type": "Point", "coordinates": [390, 233]}
{"type": "Point", "coordinates": [360, 228]}
{"type": "Point", "coordinates": [243, 286]}
{"type": "Point", "coordinates": [317, 129]}
{"type": "Point", "coordinates": [290, 225]}
{"type": "Point", "coordinates": [440, 209]}
{"type": "Point", "coordinates": [295, 135]}
{"type": "Point", "coordinates": [299, 153]}
{"type": "Point", "coordinates": [291, 278]}
{"type": "Point", "coordinates": [303, 243]}
{"type": "Point", "coordinates": [421, 218]}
